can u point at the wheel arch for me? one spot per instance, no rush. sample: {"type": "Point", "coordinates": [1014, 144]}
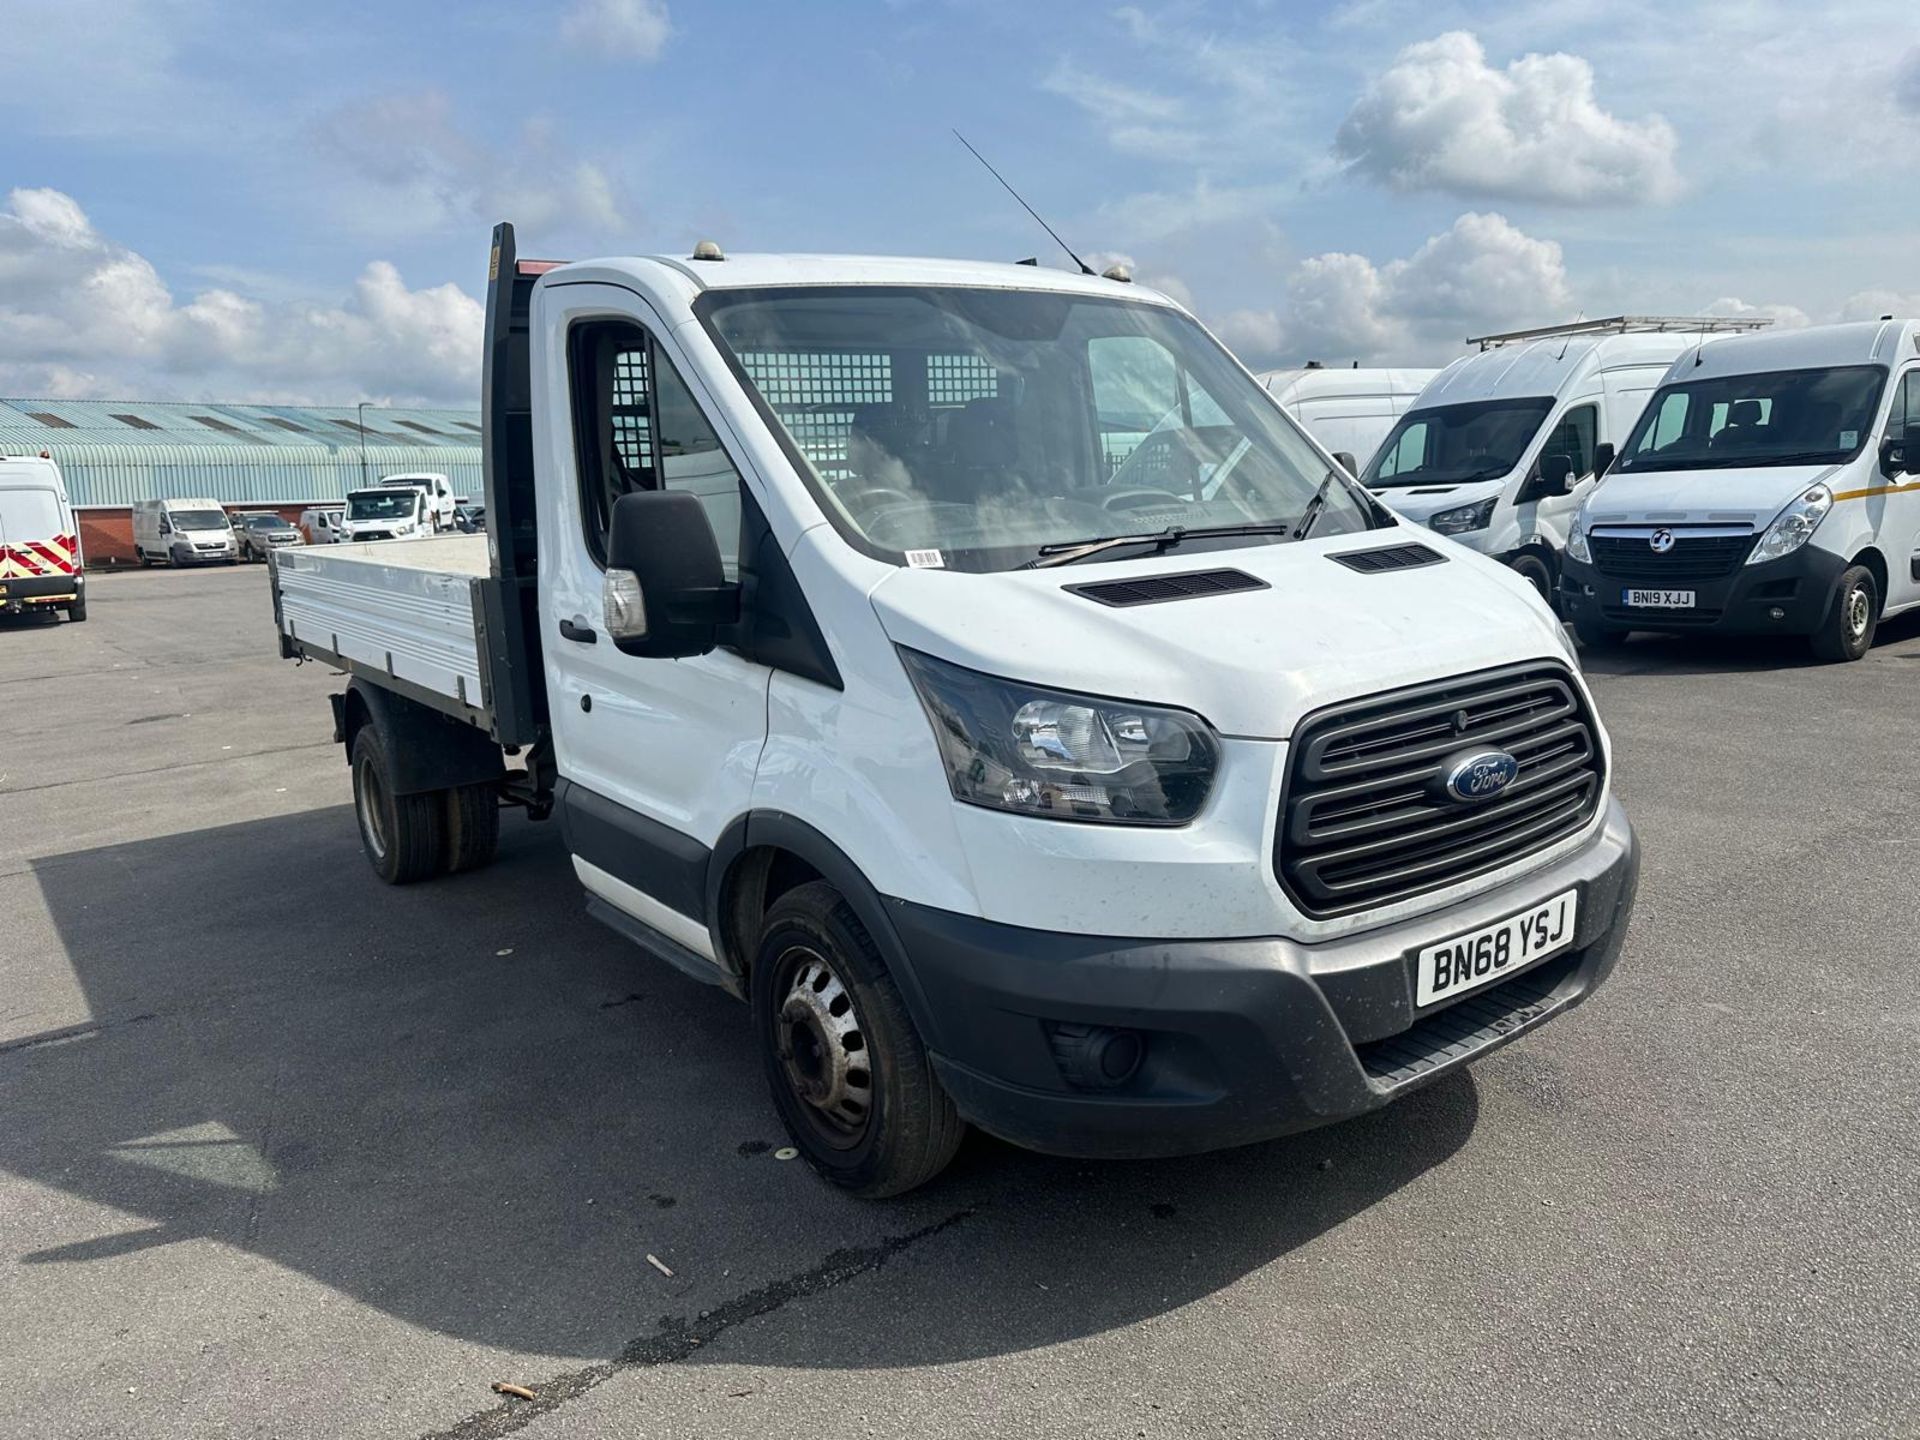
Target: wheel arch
{"type": "Point", "coordinates": [1875, 562]}
{"type": "Point", "coordinates": [765, 853]}
{"type": "Point", "coordinates": [425, 749]}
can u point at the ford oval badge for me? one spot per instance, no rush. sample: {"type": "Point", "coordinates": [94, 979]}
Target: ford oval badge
{"type": "Point", "coordinates": [1480, 774]}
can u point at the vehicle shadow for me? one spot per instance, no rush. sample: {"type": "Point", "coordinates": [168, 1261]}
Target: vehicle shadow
{"type": "Point", "coordinates": [469, 1106]}
{"type": "Point", "coordinates": [1649, 654]}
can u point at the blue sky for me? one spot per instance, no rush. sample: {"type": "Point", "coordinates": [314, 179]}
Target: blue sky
{"type": "Point", "coordinates": [207, 198]}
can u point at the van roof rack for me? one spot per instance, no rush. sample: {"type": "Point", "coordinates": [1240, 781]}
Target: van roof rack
{"type": "Point", "coordinates": [1629, 325]}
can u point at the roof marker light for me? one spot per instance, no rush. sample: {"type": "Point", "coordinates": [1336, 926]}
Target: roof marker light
{"type": "Point", "coordinates": [1122, 273]}
{"type": "Point", "coordinates": [707, 250]}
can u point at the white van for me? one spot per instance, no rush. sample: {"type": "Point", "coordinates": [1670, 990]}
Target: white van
{"type": "Point", "coordinates": [1772, 487]}
{"type": "Point", "coordinates": [1499, 450]}
{"type": "Point", "coordinates": [41, 567]}
{"type": "Point", "coordinates": [320, 524]}
{"type": "Point", "coordinates": [183, 532]}
{"type": "Point", "coordinates": [385, 512]}
{"type": "Point", "coordinates": [439, 492]}
{"type": "Point", "coordinates": [1348, 411]}
{"type": "Point", "coordinates": [1117, 808]}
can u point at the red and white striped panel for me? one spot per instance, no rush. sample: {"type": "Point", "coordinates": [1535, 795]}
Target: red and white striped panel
{"type": "Point", "coordinates": [32, 558]}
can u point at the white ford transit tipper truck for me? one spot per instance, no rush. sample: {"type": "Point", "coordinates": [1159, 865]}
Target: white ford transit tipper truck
{"type": "Point", "coordinates": [973, 668]}
{"type": "Point", "coordinates": [1771, 487]}
{"type": "Point", "coordinates": [1501, 447]}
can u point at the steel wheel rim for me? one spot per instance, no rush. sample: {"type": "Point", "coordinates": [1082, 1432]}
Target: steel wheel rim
{"type": "Point", "coordinates": [373, 819]}
{"type": "Point", "coordinates": [1859, 611]}
{"type": "Point", "coordinates": [821, 1045]}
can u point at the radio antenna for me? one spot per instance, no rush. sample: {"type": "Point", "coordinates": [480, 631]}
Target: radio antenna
{"type": "Point", "coordinates": [1085, 269]}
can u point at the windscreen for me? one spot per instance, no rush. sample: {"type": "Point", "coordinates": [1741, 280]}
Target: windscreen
{"type": "Point", "coordinates": [986, 424]}
{"type": "Point", "coordinates": [395, 504]}
{"type": "Point", "coordinates": [1777, 417]}
{"type": "Point", "coordinates": [199, 519]}
{"type": "Point", "coordinates": [267, 522]}
{"type": "Point", "coordinates": [1456, 444]}
{"type": "Point", "coordinates": [29, 515]}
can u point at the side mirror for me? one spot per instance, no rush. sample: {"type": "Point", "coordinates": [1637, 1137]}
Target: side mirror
{"type": "Point", "coordinates": [1603, 456]}
{"type": "Point", "coordinates": [665, 595]}
{"type": "Point", "coordinates": [1345, 457]}
{"type": "Point", "coordinates": [1900, 454]}
{"type": "Point", "coordinates": [1556, 474]}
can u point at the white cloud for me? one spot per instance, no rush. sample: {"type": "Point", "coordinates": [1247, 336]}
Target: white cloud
{"type": "Point", "coordinates": [1136, 122]}
{"type": "Point", "coordinates": [83, 315]}
{"type": "Point", "coordinates": [618, 29]}
{"type": "Point", "coordinates": [1481, 274]}
{"type": "Point", "coordinates": [413, 170]}
{"type": "Point", "coordinates": [1441, 118]}
{"type": "Point", "coordinates": [1872, 304]}
{"type": "Point", "coordinates": [1784, 317]}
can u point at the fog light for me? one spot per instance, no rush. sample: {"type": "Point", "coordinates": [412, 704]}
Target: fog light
{"type": "Point", "coordinates": [1776, 613]}
{"type": "Point", "coordinates": [1096, 1057]}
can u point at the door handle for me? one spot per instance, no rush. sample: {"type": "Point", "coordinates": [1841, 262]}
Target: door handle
{"type": "Point", "coordinates": [579, 631]}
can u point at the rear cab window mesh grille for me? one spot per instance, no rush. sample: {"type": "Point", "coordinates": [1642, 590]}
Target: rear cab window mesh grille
{"type": "Point", "coordinates": [1365, 820]}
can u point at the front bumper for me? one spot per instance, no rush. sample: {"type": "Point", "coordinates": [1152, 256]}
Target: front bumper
{"type": "Point", "coordinates": [37, 592]}
{"type": "Point", "coordinates": [1788, 596]}
{"type": "Point", "coordinates": [194, 555]}
{"type": "Point", "coordinates": [1245, 1039]}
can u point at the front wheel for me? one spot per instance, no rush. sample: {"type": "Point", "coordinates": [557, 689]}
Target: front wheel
{"type": "Point", "coordinates": [849, 1074]}
{"type": "Point", "coordinates": [405, 836]}
{"type": "Point", "coordinates": [1847, 631]}
{"type": "Point", "coordinates": [1536, 573]}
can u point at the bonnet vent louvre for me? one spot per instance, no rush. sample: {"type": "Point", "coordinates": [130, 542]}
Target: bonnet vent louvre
{"type": "Point", "coordinates": [1394, 557]}
{"type": "Point", "coordinates": [1153, 589]}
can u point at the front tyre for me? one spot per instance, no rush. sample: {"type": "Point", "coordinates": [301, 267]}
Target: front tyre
{"type": "Point", "coordinates": [1535, 572]}
{"type": "Point", "coordinates": [849, 1074]}
{"type": "Point", "coordinates": [1847, 631]}
{"type": "Point", "coordinates": [405, 836]}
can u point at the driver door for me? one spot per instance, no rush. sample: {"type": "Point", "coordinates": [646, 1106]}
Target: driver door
{"type": "Point", "coordinates": [659, 755]}
{"type": "Point", "coordinates": [1545, 514]}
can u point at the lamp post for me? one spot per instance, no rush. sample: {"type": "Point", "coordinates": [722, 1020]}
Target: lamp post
{"type": "Point", "coordinates": [360, 419]}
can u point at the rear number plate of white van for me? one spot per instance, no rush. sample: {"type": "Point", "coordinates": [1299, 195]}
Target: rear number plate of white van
{"type": "Point", "coordinates": [1493, 952]}
{"type": "Point", "coordinates": [1657, 599]}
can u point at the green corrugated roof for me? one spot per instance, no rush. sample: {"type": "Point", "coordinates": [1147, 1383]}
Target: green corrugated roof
{"type": "Point", "coordinates": [116, 452]}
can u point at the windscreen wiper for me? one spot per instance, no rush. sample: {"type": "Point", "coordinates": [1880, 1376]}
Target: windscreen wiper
{"type": "Point", "coordinates": [1314, 507]}
{"type": "Point", "coordinates": [1069, 551]}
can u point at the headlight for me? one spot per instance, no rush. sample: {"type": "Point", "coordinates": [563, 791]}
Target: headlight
{"type": "Point", "coordinates": [1793, 526]}
{"type": "Point", "coordinates": [1577, 541]}
{"type": "Point", "coordinates": [1464, 518]}
{"type": "Point", "coordinates": [1047, 753]}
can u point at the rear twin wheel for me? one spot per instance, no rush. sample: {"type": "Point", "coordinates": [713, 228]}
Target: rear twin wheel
{"type": "Point", "coordinates": [411, 837]}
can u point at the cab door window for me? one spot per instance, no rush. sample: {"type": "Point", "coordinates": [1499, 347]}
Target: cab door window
{"type": "Point", "coordinates": [1904, 414]}
{"type": "Point", "coordinates": [638, 427]}
{"type": "Point", "coordinates": [1574, 437]}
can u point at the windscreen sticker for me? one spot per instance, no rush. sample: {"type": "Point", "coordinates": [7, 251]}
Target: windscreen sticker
{"type": "Point", "coordinates": [1849, 439]}
{"type": "Point", "coordinates": [926, 560]}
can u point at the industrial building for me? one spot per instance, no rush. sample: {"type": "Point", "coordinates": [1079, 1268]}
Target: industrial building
{"type": "Point", "coordinates": [253, 457]}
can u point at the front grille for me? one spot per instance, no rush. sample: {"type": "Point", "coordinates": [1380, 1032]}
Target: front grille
{"type": "Point", "coordinates": [1693, 557]}
{"type": "Point", "coordinates": [1366, 821]}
